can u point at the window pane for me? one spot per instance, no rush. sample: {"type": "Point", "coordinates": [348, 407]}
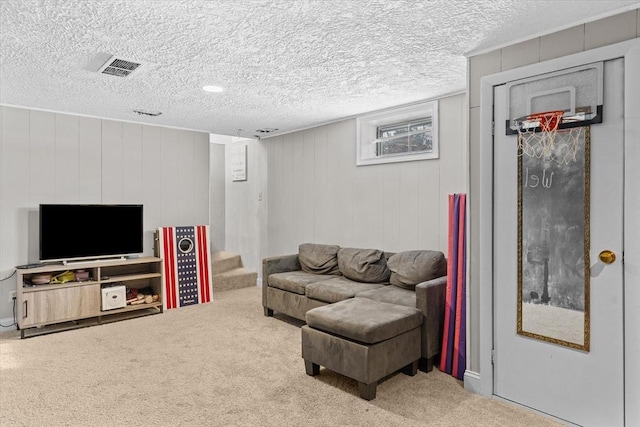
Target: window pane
{"type": "Point", "coordinates": [388, 131]}
{"type": "Point", "coordinates": [420, 125]}
{"type": "Point", "coordinates": [403, 138]}
{"type": "Point", "coordinates": [421, 142]}
{"type": "Point", "coordinates": [395, 146]}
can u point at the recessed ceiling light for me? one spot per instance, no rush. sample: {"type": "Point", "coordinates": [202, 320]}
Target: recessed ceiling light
{"type": "Point", "coordinates": [214, 89]}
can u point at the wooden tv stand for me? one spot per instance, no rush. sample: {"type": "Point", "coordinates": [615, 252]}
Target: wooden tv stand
{"type": "Point", "coordinates": [55, 307]}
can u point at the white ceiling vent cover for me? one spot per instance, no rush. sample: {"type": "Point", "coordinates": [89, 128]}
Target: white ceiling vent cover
{"type": "Point", "coordinates": [119, 67]}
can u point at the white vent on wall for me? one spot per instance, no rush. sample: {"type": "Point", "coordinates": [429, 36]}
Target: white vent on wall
{"type": "Point", "coordinates": [119, 67]}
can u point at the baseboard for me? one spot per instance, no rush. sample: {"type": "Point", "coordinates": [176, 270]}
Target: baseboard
{"type": "Point", "coordinates": [542, 414]}
{"type": "Point", "coordinates": [473, 384]}
{"type": "Point", "coordinates": [7, 321]}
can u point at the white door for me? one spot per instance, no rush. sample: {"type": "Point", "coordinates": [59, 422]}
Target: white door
{"type": "Point", "coordinates": [582, 387]}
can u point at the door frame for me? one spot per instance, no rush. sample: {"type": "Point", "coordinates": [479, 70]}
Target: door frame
{"type": "Point", "coordinates": [630, 51]}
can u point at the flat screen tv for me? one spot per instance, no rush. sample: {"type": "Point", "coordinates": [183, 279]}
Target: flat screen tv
{"type": "Point", "coordinates": [75, 232]}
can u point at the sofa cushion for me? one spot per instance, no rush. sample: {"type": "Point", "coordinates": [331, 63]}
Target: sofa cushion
{"type": "Point", "coordinates": [390, 294]}
{"type": "Point", "coordinates": [295, 281]}
{"type": "Point", "coordinates": [364, 265]}
{"type": "Point", "coordinates": [364, 320]}
{"type": "Point", "coordinates": [337, 289]}
{"type": "Point", "coordinates": [318, 258]}
{"type": "Point", "coordinates": [412, 267]}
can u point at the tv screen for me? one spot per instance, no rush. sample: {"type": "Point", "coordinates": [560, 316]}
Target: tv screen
{"type": "Point", "coordinates": [89, 231]}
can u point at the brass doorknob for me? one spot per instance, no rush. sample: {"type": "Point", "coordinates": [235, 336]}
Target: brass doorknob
{"type": "Point", "coordinates": [607, 257]}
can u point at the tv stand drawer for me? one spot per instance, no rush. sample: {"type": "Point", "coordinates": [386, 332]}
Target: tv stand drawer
{"type": "Point", "coordinates": [63, 304]}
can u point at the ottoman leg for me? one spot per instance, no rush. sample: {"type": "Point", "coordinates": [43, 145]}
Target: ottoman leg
{"type": "Point", "coordinates": [268, 312]}
{"type": "Point", "coordinates": [312, 369]}
{"type": "Point", "coordinates": [367, 391]}
{"type": "Point", "coordinates": [411, 369]}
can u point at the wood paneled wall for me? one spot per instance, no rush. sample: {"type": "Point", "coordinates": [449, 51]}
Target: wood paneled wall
{"type": "Point", "coordinates": [316, 193]}
{"type": "Point", "coordinates": [49, 157]}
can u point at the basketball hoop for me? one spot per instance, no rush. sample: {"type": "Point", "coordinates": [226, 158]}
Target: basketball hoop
{"type": "Point", "coordinates": [539, 136]}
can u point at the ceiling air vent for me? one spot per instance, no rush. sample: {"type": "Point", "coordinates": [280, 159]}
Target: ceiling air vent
{"type": "Point", "coordinates": [266, 130]}
{"type": "Point", "coordinates": [147, 113]}
{"type": "Point", "coordinates": [119, 67]}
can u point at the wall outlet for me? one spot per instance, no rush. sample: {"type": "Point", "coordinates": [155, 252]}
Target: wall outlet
{"type": "Point", "coordinates": [13, 295]}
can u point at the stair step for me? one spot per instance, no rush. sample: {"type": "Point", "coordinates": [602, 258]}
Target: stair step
{"type": "Point", "coordinates": [225, 261]}
{"type": "Point", "coordinates": [234, 279]}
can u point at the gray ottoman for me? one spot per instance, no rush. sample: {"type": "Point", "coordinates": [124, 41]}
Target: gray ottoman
{"type": "Point", "coordinates": [362, 339]}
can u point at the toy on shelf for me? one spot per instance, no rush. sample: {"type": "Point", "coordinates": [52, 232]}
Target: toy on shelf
{"type": "Point", "coordinates": [141, 296]}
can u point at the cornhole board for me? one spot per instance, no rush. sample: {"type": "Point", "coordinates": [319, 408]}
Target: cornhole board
{"type": "Point", "coordinates": [186, 265]}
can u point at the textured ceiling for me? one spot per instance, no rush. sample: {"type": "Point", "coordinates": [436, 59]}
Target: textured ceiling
{"type": "Point", "coordinates": [286, 64]}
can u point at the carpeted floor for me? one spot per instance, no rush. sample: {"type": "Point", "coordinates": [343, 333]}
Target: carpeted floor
{"type": "Point", "coordinates": [218, 364]}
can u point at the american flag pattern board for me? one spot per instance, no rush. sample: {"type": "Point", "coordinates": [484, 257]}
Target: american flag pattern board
{"type": "Point", "coordinates": [186, 265]}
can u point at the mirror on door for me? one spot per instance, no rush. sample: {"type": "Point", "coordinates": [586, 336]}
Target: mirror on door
{"type": "Point", "coordinates": [553, 247]}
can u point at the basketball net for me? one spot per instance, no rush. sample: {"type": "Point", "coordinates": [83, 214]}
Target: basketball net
{"type": "Point", "coordinates": [548, 143]}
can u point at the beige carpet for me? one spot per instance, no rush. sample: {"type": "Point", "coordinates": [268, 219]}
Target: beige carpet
{"type": "Point", "coordinates": [218, 364]}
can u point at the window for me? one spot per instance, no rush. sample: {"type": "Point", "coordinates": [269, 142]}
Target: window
{"type": "Point", "coordinates": [405, 138]}
{"type": "Point", "coordinates": [398, 135]}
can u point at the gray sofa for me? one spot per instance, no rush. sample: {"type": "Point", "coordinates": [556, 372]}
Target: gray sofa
{"type": "Point", "coordinates": [319, 275]}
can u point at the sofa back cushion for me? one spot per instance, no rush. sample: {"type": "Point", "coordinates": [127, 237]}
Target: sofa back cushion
{"type": "Point", "coordinates": [364, 265]}
{"type": "Point", "coordinates": [412, 267]}
{"type": "Point", "coordinates": [318, 259]}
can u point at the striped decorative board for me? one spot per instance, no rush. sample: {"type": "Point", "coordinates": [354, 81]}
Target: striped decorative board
{"type": "Point", "coordinates": [186, 265]}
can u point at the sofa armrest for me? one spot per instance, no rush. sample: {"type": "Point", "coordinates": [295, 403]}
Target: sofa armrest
{"type": "Point", "coordinates": [277, 264]}
{"type": "Point", "coordinates": [430, 300]}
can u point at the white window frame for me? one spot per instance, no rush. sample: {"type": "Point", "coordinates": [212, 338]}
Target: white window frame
{"type": "Point", "coordinates": [367, 133]}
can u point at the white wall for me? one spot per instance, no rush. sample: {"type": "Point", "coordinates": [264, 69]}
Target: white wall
{"type": "Point", "coordinates": [316, 193]}
{"type": "Point", "coordinates": [245, 209]}
{"type": "Point", "coordinates": [217, 196]}
{"type": "Point", "coordinates": [48, 157]}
